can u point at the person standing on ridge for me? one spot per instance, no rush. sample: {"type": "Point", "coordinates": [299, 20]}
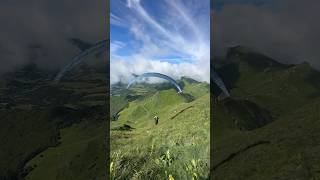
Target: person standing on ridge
{"type": "Point", "coordinates": [156, 120]}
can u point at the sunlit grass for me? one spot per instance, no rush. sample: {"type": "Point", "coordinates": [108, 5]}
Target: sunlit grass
{"type": "Point", "coordinates": [166, 150]}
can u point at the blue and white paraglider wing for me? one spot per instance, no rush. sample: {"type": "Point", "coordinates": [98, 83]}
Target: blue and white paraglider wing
{"type": "Point", "coordinates": [96, 48]}
{"type": "Point", "coordinates": [218, 81]}
{"type": "Point", "coordinates": [158, 75]}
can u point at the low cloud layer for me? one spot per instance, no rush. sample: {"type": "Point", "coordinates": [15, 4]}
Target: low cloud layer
{"type": "Point", "coordinates": [287, 30]}
{"type": "Point", "coordinates": [37, 30]}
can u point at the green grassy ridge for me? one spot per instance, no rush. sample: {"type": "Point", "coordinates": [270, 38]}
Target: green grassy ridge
{"type": "Point", "coordinates": [291, 94]}
{"type": "Point", "coordinates": [292, 152]}
{"type": "Point", "coordinates": [278, 89]}
{"type": "Point", "coordinates": [80, 155]}
{"type": "Point", "coordinates": [121, 96]}
{"type": "Point", "coordinates": [118, 103]}
{"type": "Point", "coordinates": [154, 152]}
{"type": "Point", "coordinates": [159, 103]}
{"type": "Point", "coordinates": [26, 132]}
{"type": "Point", "coordinates": [38, 110]}
{"type": "Point", "coordinates": [194, 88]}
{"type": "Point", "coordinates": [23, 133]}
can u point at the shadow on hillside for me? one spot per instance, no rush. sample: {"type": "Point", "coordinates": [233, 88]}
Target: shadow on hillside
{"type": "Point", "coordinates": [246, 114]}
{"type": "Point", "coordinates": [124, 127]}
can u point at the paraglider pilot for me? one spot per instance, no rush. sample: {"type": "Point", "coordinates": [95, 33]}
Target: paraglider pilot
{"type": "Point", "coordinates": [156, 120]}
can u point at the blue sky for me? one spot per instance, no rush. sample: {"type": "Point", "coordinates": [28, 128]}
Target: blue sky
{"type": "Point", "coordinates": [167, 36]}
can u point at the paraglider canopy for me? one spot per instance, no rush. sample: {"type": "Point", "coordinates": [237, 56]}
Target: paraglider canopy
{"type": "Point", "coordinates": [99, 47]}
{"type": "Point", "coordinates": [218, 81]}
{"type": "Point", "coordinates": [158, 75]}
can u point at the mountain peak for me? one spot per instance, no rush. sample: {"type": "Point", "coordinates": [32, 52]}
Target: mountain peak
{"type": "Point", "coordinates": [237, 50]}
{"type": "Point", "coordinates": [239, 54]}
{"type": "Point", "coordinates": [188, 80]}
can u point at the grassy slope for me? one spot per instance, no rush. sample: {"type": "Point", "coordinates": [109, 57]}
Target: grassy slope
{"type": "Point", "coordinates": [291, 151]}
{"type": "Point", "coordinates": [81, 153]}
{"type": "Point", "coordinates": [23, 133]}
{"type": "Point", "coordinates": [79, 156]}
{"type": "Point", "coordinates": [38, 110]}
{"type": "Point", "coordinates": [154, 152]}
{"type": "Point", "coordinates": [285, 148]}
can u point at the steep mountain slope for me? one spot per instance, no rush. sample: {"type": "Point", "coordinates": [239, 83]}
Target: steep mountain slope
{"type": "Point", "coordinates": [80, 155]}
{"type": "Point", "coordinates": [177, 146]}
{"type": "Point", "coordinates": [276, 136]}
{"type": "Point", "coordinates": [39, 117]}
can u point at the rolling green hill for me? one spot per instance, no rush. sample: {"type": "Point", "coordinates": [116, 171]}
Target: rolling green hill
{"type": "Point", "coordinates": [52, 130]}
{"type": "Point", "coordinates": [269, 127]}
{"type": "Point", "coordinates": [177, 147]}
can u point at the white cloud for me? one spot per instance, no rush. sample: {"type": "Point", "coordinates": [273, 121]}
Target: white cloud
{"type": "Point", "coordinates": [179, 33]}
{"type": "Point", "coordinates": [123, 69]}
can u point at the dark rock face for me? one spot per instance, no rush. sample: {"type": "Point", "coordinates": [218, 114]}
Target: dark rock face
{"type": "Point", "coordinates": [246, 114]}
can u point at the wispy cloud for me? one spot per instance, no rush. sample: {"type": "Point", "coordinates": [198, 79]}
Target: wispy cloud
{"type": "Point", "coordinates": [115, 45]}
{"type": "Point", "coordinates": [115, 20]}
{"type": "Point", "coordinates": [172, 38]}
